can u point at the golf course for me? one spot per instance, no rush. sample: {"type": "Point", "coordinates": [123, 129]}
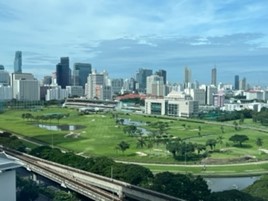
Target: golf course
{"type": "Point", "coordinates": [145, 139]}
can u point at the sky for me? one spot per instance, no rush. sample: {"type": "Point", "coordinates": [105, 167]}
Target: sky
{"type": "Point", "coordinates": [121, 36]}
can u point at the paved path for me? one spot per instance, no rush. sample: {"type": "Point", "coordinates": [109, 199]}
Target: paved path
{"type": "Point", "coordinates": [200, 165]}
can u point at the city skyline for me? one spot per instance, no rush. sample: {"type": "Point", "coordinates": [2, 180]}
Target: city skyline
{"type": "Point", "coordinates": [123, 36]}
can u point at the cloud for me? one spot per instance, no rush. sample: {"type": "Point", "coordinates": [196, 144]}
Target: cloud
{"type": "Point", "coordinates": [128, 34]}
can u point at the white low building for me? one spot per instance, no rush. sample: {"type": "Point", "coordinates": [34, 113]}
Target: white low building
{"type": "Point", "coordinates": [174, 104]}
{"type": "Point", "coordinates": [242, 106]}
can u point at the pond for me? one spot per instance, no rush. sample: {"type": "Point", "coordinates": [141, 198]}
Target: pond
{"type": "Point", "coordinates": [228, 183]}
{"type": "Point", "coordinates": [134, 123]}
{"type": "Point", "coordinates": [63, 127]}
{"type": "Point", "coordinates": [138, 124]}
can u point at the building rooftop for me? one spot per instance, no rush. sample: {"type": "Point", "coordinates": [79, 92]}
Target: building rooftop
{"type": "Point", "coordinates": [8, 162]}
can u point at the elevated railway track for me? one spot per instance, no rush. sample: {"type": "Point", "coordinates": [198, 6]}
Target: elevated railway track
{"type": "Point", "coordinates": [93, 186]}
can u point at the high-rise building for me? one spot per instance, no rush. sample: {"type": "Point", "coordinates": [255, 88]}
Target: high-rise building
{"type": "Point", "coordinates": [47, 80]}
{"type": "Point", "coordinates": [141, 76]}
{"type": "Point", "coordinates": [243, 84]}
{"type": "Point", "coordinates": [198, 95]}
{"type": "Point", "coordinates": [163, 74]}
{"type": "Point", "coordinates": [75, 91]}
{"type": "Point", "coordinates": [80, 73]}
{"type": "Point", "coordinates": [214, 76]}
{"type": "Point", "coordinates": [210, 92]}
{"type": "Point", "coordinates": [5, 92]}
{"type": "Point", "coordinates": [155, 85]}
{"type": "Point", "coordinates": [56, 93]}
{"type": "Point", "coordinates": [4, 77]}
{"type": "Point", "coordinates": [97, 88]}
{"type": "Point", "coordinates": [236, 82]}
{"type": "Point", "coordinates": [187, 76]}
{"type": "Point", "coordinates": [117, 85]}
{"type": "Point", "coordinates": [63, 72]}
{"type": "Point", "coordinates": [25, 87]}
{"type": "Point", "coordinates": [18, 62]}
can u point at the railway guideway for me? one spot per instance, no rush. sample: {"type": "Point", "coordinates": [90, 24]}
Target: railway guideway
{"type": "Point", "coordinates": [91, 185]}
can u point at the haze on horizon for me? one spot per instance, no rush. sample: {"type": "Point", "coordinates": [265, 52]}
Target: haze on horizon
{"type": "Point", "coordinates": [123, 35]}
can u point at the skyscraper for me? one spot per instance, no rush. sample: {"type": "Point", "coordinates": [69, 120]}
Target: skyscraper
{"type": "Point", "coordinates": [236, 82]}
{"type": "Point", "coordinates": [141, 76]}
{"type": "Point", "coordinates": [63, 72]}
{"type": "Point", "coordinates": [214, 76]}
{"type": "Point", "coordinates": [80, 73]}
{"type": "Point", "coordinates": [163, 74]}
{"type": "Point", "coordinates": [97, 88]}
{"type": "Point", "coordinates": [4, 76]}
{"type": "Point", "coordinates": [155, 85]}
{"type": "Point", "coordinates": [243, 84]}
{"type": "Point", "coordinates": [187, 76]}
{"type": "Point", "coordinates": [18, 62]}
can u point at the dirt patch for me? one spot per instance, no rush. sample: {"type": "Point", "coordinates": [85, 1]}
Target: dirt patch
{"type": "Point", "coordinates": [72, 135]}
{"type": "Point", "coordinates": [141, 153]}
{"type": "Point", "coordinates": [264, 150]}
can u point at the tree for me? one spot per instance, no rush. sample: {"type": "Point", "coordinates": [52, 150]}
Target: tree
{"type": "Point", "coordinates": [220, 139]}
{"type": "Point", "coordinates": [235, 125]}
{"type": "Point", "coordinates": [200, 147]}
{"type": "Point", "coordinates": [123, 146]}
{"type": "Point", "coordinates": [238, 139]}
{"type": "Point", "coordinates": [131, 130]}
{"type": "Point", "coordinates": [259, 142]}
{"type": "Point", "coordinates": [59, 116]}
{"type": "Point", "coordinates": [233, 195]}
{"type": "Point", "coordinates": [162, 127]}
{"type": "Point", "coordinates": [140, 142]}
{"type": "Point", "coordinates": [199, 130]}
{"type": "Point", "coordinates": [259, 188]}
{"type": "Point", "coordinates": [29, 191]}
{"type": "Point", "coordinates": [131, 173]}
{"type": "Point", "coordinates": [63, 196]}
{"type": "Point", "coordinates": [211, 143]}
{"type": "Point", "coordinates": [222, 129]}
{"type": "Point", "coordinates": [242, 118]}
{"type": "Point", "coordinates": [183, 186]}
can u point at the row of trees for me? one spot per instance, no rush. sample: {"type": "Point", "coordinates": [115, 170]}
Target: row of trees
{"type": "Point", "coordinates": [47, 117]}
{"type": "Point", "coordinates": [261, 117]}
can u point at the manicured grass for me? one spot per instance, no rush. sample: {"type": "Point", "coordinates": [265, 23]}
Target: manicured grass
{"type": "Point", "coordinates": [242, 170]}
{"type": "Point", "coordinates": [101, 135]}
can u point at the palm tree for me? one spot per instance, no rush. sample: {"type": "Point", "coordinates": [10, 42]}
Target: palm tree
{"type": "Point", "coordinates": [259, 142]}
{"type": "Point", "coordinates": [140, 142]}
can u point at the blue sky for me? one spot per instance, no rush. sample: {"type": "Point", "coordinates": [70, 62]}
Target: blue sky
{"type": "Point", "coordinates": [121, 36]}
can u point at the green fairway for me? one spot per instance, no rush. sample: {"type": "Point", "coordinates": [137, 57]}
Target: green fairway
{"type": "Point", "coordinates": [100, 136]}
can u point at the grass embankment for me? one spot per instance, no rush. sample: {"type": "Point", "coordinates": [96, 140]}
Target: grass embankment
{"type": "Point", "coordinates": [101, 135]}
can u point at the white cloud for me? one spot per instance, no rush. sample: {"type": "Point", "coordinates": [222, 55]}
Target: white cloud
{"type": "Point", "coordinates": [132, 33]}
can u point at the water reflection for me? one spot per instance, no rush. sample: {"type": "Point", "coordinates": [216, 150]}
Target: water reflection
{"type": "Point", "coordinates": [138, 124]}
{"type": "Point", "coordinates": [228, 183]}
{"type": "Point", "coordinates": [63, 127]}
